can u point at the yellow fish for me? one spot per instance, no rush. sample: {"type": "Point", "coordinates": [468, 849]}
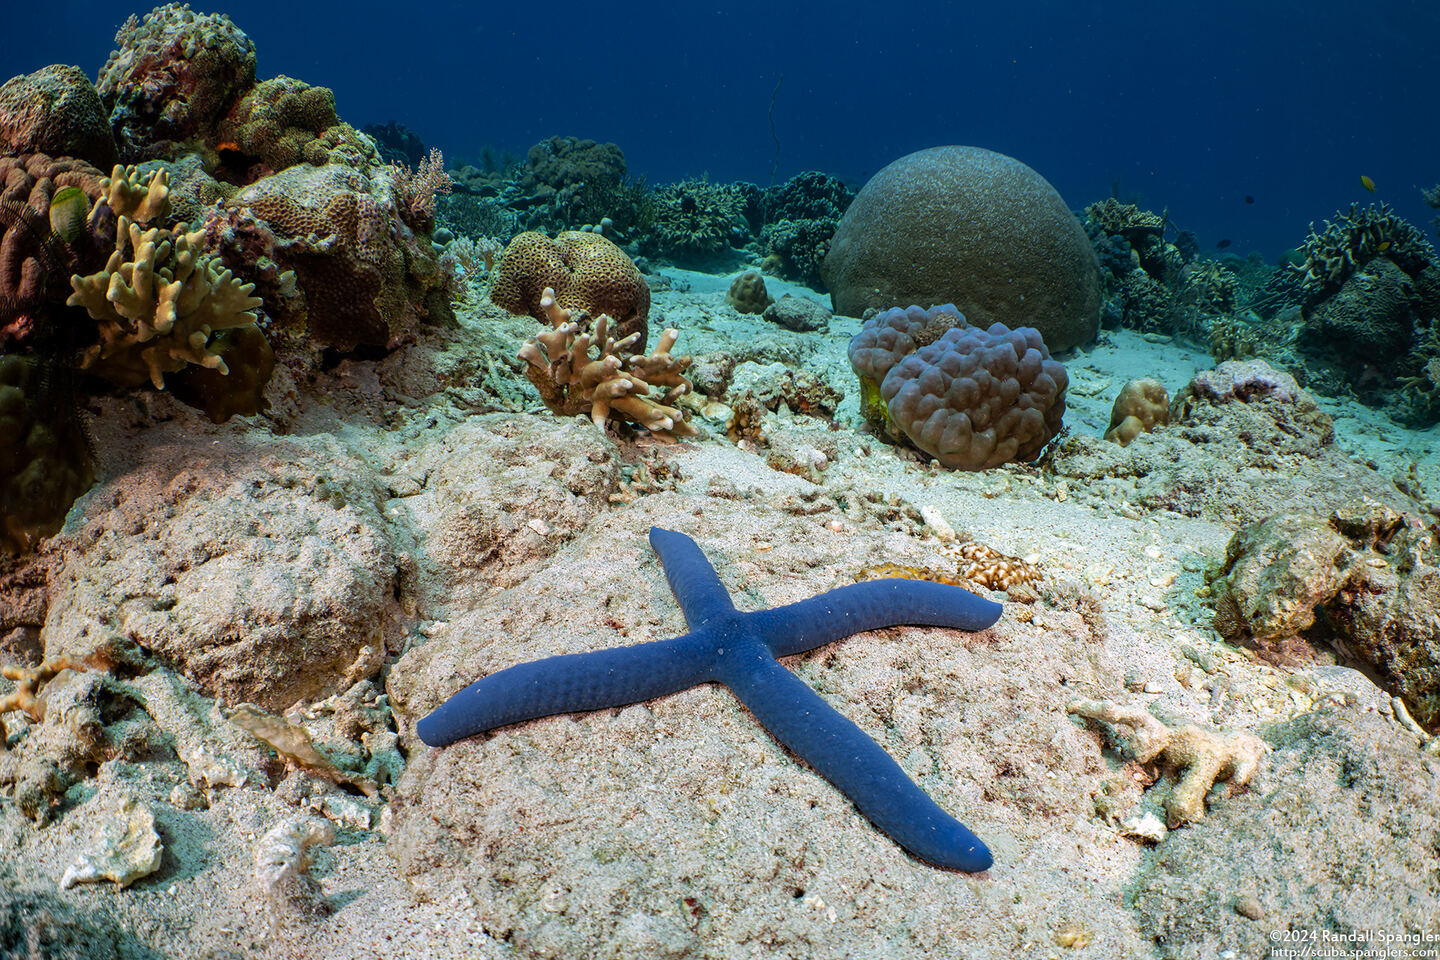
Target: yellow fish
{"type": "Point", "coordinates": [1384, 245]}
{"type": "Point", "coordinates": [67, 213]}
{"type": "Point", "coordinates": [1367, 183]}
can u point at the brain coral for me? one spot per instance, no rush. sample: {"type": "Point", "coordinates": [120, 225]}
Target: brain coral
{"type": "Point", "coordinates": [974, 228]}
{"type": "Point", "coordinates": [971, 398]}
{"type": "Point", "coordinates": [586, 271]}
{"type": "Point", "coordinates": [56, 110]}
{"type": "Point", "coordinates": [36, 260]}
{"type": "Point", "coordinates": [173, 76]}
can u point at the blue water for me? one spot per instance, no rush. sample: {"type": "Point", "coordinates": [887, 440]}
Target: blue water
{"type": "Point", "coordinates": [1180, 105]}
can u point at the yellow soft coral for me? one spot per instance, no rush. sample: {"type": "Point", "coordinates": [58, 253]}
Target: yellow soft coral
{"type": "Point", "coordinates": [158, 308]}
{"type": "Point", "coordinates": [570, 379]}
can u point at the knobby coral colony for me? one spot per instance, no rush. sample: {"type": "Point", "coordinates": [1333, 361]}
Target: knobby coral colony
{"type": "Point", "coordinates": [740, 651]}
{"type": "Point", "coordinates": [570, 379]}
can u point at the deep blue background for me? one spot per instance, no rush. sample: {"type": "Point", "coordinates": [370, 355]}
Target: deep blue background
{"type": "Point", "coordinates": [1186, 105]}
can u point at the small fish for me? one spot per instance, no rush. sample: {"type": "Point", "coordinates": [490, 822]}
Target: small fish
{"type": "Point", "coordinates": [67, 213]}
{"type": "Point", "coordinates": [1223, 244]}
{"type": "Point", "coordinates": [1384, 245]}
{"type": "Point", "coordinates": [1249, 199]}
{"type": "Point", "coordinates": [1367, 183]}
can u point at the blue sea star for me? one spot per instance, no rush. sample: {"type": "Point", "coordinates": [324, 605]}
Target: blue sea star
{"type": "Point", "coordinates": [740, 650]}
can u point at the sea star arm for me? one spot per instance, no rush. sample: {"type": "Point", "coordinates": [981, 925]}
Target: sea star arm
{"type": "Point", "coordinates": [696, 585]}
{"type": "Point", "coordinates": [869, 605]}
{"type": "Point", "coordinates": [570, 683]}
{"type": "Point", "coordinates": [842, 753]}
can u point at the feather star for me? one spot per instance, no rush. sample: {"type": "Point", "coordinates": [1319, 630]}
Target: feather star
{"type": "Point", "coordinates": [739, 650]}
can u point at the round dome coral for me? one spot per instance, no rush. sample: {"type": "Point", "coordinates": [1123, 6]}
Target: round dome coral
{"type": "Point", "coordinates": [972, 227]}
{"type": "Point", "coordinates": [586, 271]}
{"type": "Point", "coordinates": [972, 399]}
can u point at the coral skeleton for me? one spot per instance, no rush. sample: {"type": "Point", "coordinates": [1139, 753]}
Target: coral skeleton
{"type": "Point", "coordinates": [574, 370]}
{"type": "Point", "coordinates": [1205, 756]}
{"type": "Point", "coordinates": [28, 681]}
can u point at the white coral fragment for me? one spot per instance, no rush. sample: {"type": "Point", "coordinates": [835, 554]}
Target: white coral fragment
{"type": "Point", "coordinates": [281, 856]}
{"type": "Point", "coordinates": [126, 849]}
{"type": "Point", "coordinates": [1204, 756]}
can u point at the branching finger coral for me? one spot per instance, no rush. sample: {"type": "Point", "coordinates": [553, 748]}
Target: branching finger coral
{"type": "Point", "coordinates": [141, 198]}
{"type": "Point", "coordinates": [158, 307]}
{"type": "Point", "coordinates": [1205, 756]}
{"type": "Point", "coordinates": [576, 371]}
{"type": "Point", "coordinates": [28, 681]}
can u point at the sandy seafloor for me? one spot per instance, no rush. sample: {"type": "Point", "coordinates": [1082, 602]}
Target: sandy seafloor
{"type": "Point", "coordinates": [463, 541]}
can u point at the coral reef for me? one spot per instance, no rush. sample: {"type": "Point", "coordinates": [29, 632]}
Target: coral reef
{"type": "Point", "coordinates": [971, 227]}
{"type": "Point", "coordinates": [234, 387]}
{"type": "Point", "coordinates": [55, 111]}
{"type": "Point", "coordinates": [1117, 219]}
{"type": "Point", "coordinates": [368, 278]}
{"type": "Point", "coordinates": [572, 380]}
{"type": "Point", "coordinates": [586, 272]}
{"type": "Point", "coordinates": [562, 162]}
{"type": "Point", "coordinates": [1231, 339]}
{"type": "Point", "coordinates": [697, 223]}
{"type": "Point", "coordinates": [1276, 575]}
{"type": "Point", "coordinates": [800, 216]}
{"type": "Point", "coordinates": [1244, 442]}
{"type": "Point", "coordinates": [39, 195]}
{"type": "Point", "coordinates": [157, 307]}
{"type": "Point", "coordinates": [1154, 285]}
{"type": "Point", "coordinates": [747, 293]}
{"type": "Point", "coordinates": [972, 399]}
{"type": "Point", "coordinates": [1141, 406]}
{"type": "Point", "coordinates": [1366, 579]}
{"type": "Point", "coordinates": [172, 77]}
{"type": "Point", "coordinates": [1353, 239]}
{"type": "Point", "coordinates": [1205, 756]}
{"type": "Point", "coordinates": [281, 122]}
{"type": "Point", "coordinates": [796, 249]}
